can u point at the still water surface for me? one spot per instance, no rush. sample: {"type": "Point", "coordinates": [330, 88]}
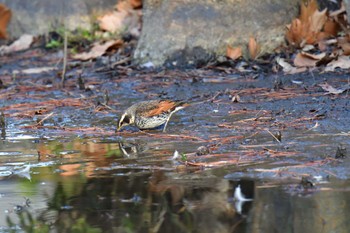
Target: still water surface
{"type": "Point", "coordinates": [71, 184]}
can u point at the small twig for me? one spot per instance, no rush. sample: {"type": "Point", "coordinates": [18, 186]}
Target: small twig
{"type": "Point", "coordinates": [120, 62]}
{"type": "Point", "coordinates": [208, 100]}
{"type": "Point", "coordinates": [273, 136]}
{"type": "Point", "coordinates": [110, 108]}
{"type": "Point", "coordinates": [64, 57]}
{"type": "Point", "coordinates": [42, 120]}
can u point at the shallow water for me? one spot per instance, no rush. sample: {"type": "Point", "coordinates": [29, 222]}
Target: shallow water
{"type": "Point", "coordinates": [105, 185]}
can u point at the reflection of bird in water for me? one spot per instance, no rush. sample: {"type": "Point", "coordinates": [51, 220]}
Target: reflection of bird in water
{"type": "Point", "coordinates": [131, 150]}
{"type": "Point", "coordinates": [150, 114]}
{"type": "Point", "coordinates": [239, 199]}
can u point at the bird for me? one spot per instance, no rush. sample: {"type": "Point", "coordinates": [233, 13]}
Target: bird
{"type": "Point", "coordinates": [150, 114]}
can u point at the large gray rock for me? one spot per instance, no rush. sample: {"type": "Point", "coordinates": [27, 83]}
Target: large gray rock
{"type": "Point", "coordinates": [185, 32]}
{"type": "Point", "coordinates": [347, 7]}
{"type": "Point", "coordinates": [40, 16]}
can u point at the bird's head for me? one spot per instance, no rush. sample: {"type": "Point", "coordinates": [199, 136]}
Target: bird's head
{"type": "Point", "coordinates": [126, 119]}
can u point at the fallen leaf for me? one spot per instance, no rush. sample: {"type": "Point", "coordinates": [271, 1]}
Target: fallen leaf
{"type": "Point", "coordinates": [344, 44]}
{"type": "Point", "coordinates": [331, 27]}
{"type": "Point", "coordinates": [341, 10]}
{"type": "Point", "coordinates": [342, 62]}
{"type": "Point", "coordinates": [304, 59]}
{"type": "Point", "coordinates": [312, 26]}
{"type": "Point", "coordinates": [307, 9]}
{"type": "Point", "coordinates": [5, 16]}
{"type": "Point", "coordinates": [253, 48]}
{"type": "Point", "coordinates": [98, 50]}
{"type": "Point", "coordinates": [113, 21]}
{"type": "Point", "coordinates": [331, 90]}
{"type": "Point", "coordinates": [233, 52]}
{"type": "Point", "coordinates": [346, 48]}
{"type": "Point", "coordinates": [308, 47]}
{"type": "Point", "coordinates": [317, 20]}
{"type": "Point", "coordinates": [124, 18]}
{"type": "Point", "coordinates": [288, 68]}
{"type": "Point", "coordinates": [124, 6]}
{"type": "Point", "coordinates": [24, 42]}
{"type": "Point", "coordinates": [136, 3]}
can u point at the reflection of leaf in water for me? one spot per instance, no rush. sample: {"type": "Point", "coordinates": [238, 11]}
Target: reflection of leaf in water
{"type": "Point", "coordinates": [29, 187]}
{"type": "Point", "coordinates": [81, 226]}
{"type": "Point", "coordinates": [27, 223]}
{"type": "Point", "coordinates": [127, 225]}
{"type": "Point", "coordinates": [183, 157]}
{"type": "Point", "coordinates": [56, 147]}
{"type": "Point", "coordinates": [113, 152]}
{"type": "Point", "coordinates": [59, 199]}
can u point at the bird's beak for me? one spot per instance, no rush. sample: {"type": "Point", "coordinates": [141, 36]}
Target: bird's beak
{"type": "Point", "coordinates": [119, 128]}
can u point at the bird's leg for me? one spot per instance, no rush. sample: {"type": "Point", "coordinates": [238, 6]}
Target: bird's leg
{"type": "Point", "coordinates": [167, 120]}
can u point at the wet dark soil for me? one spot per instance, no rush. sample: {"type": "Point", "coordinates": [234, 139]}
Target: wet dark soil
{"type": "Point", "coordinates": [282, 139]}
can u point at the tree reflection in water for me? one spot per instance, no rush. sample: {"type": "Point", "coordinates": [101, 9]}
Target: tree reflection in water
{"type": "Point", "coordinates": [140, 202]}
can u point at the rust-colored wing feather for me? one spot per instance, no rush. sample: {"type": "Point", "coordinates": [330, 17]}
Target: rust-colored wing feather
{"type": "Point", "coordinates": [164, 106]}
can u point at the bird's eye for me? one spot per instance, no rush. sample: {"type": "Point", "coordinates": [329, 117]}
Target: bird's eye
{"type": "Point", "coordinates": [126, 120]}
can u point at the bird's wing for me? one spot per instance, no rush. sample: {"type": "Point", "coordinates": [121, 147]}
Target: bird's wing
{"type": "Point", "coordinates": [161, 107]}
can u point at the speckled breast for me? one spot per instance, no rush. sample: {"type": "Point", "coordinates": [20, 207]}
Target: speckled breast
{"type": "Point", "coordinates": [150, 122]}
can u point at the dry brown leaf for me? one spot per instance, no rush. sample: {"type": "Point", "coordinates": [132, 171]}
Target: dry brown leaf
{"type": "Point", "coordinates": [344, 44]}
{"type": "Point", "coordinates": [113, 21]}
{"type": "Point", "coordinates": [125, 17]}
{"type": "Point", "coordinates": [124, 6]}
{"type": "Point", "coordinates": [253, 48]}
{"type": "Point", "coordinates": [233, 53]}
{"type": "Point", "coordinates": [304, 59]}
{"type": "Point", "coordinates": [318, 56]}
{"type": "Point", "coordinates": [24, 42]}
{"type": "Point", "coordinates": [322, 46]}
{"type": "Point", "coordinates": [288, 68]}
{"type": "Point", "coordinates": [342, 62]}
{"type": "Point", "coordinates": [98, 50]}
{"type": "Point", "coordinates": [331, 90]}
{"type": "Point", "coordinates": [307, 9]}
{"type": "Point", "coordinates": [136, 3]}
{"type": "Point", "coordinates": [317, 20]}
{"type": "Point", "coordinates": [346, 48]}
{"type": "Point", "coordinates": [341, 10]}
{"type": "Point", "coordinates": [312, 26]}
{"type": "Point", "coordinates": [294, 32]}
{"type": "Point", "coordinates": [5, 16]}
{"type": "Point", "coordinates": [331, 27]}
